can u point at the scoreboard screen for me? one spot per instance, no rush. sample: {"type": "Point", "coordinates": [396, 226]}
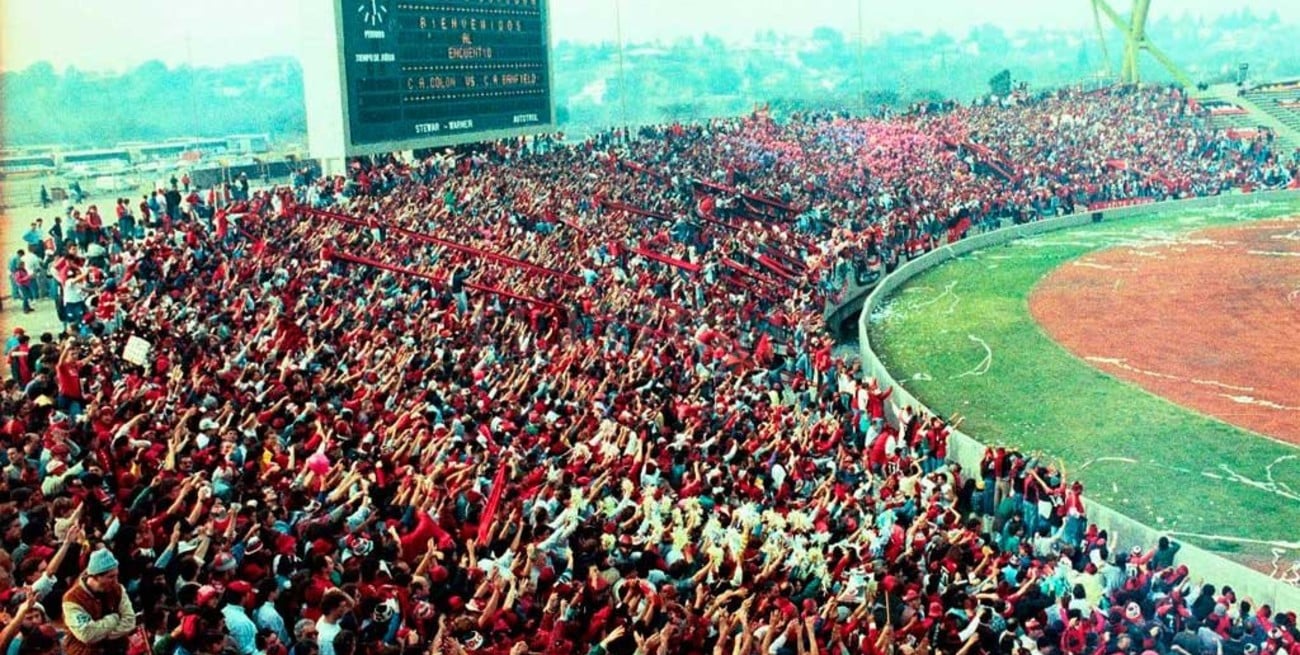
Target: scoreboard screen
{"type": "Point", "coordinates": [443, 71]}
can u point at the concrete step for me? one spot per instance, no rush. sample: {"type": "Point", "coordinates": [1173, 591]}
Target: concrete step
{"type": "Point", "coordinates": [1263, 111]}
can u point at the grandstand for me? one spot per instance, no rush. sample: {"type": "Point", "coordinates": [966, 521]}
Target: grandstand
{"type": "Point", "coordinates": [1281, 101]}
{"type": "Point", "coordinates": [660, 319]}
{"type": "Point", "coordinates": [1266, 105]}
{"type": "Point", "coordinates": [520, 396]}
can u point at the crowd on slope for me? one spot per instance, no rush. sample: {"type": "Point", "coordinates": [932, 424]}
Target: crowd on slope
{"type": "Point", "coordinates": [581, 400]}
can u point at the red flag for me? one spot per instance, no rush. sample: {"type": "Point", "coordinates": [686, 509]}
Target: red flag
{"type": "Point", "coordinates": [763, 350]}
{"type": "Point", "coordinates": [494, 499]}
{"type": "Point", "coordinates": [707, 205]}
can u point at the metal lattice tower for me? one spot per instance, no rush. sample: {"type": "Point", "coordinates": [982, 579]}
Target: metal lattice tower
{"type": "Point", "coordinates": [1135, 41]}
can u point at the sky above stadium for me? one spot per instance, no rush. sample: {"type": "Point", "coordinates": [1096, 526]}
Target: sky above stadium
{"type": "Point", "coordinates": [113, 35]}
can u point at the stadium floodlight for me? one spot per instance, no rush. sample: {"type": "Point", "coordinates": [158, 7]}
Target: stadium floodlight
{"type": "Point", "coordinates": [1135, 41]}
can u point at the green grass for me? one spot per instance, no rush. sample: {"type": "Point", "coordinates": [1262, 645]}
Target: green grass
{"type": "Point", "coordinates": [1036, 395]}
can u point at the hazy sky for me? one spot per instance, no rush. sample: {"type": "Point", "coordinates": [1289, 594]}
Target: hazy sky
{"type": "Point", "coordinates": [110, 34]}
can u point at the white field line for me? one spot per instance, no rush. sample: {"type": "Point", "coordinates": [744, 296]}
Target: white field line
{"type": "Point", "coordinates": [947, 291]}
{"type": "Point", "coordinates": [1107, 459]}
{"type": "Point", "coordinates": [1123, 364]}
{"type": "Point", "coordinates": [1291, 575]}
{"type": "Point", "coordinates": [1126, 460]}
{"type": "Point", "coordinates": [1270, 487]}
{"type": "Point", "coordinates": [1269, 472]}
{"type": "Point", "coordinates": [1274, 253]}
{"type": "Point", "coordinates": [1103, 267]}
{"type": "Point", "coordinates": [1249, 400]}
{"type": "Point", "coordinates": [1228, 475]}
{"type": "Point", "coordinates": [982, 367]}
{"type": "Point", "coordinates": [1290, 545]}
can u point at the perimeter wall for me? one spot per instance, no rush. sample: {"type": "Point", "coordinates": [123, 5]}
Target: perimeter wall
{"type": "Point", "coordinates": [968, 451]}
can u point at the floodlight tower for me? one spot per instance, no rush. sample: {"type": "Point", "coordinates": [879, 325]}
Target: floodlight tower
{"type": "Point", "coordinates": [1135, 41]}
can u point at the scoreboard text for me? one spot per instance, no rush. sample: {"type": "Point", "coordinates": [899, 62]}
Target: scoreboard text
{"type": "Point", "coordinates": [443, 68]}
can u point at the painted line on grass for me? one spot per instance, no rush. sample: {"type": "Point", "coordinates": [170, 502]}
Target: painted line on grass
{"type": "Point", "coordinates": [1289, 545]}
{"type": "Point", "coordinates": [1270, 487]}
{"type": "Point", "coordinates": [1126, 460]}
{"type": "Point", "coordinates": [947, 291]}
{"type": "Point", "coordinates": [982, 367]}
{"type": "Point", "coordinates": [1107, 459]}
{"type": "Point", "coordinates": [1268, 472]}
{"type": "Point", "coordinates": [1290, 575]}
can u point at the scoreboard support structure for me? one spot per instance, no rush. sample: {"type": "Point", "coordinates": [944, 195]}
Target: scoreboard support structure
{"type": "Point", "coordinates": [396, 75]}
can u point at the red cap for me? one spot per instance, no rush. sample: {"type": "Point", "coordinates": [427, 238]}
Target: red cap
{"type": "Point", "coordinates": [206, 593]}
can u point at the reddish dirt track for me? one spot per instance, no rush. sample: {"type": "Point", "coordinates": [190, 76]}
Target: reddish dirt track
{"type": "Point", "coordinates": [1209, 322]}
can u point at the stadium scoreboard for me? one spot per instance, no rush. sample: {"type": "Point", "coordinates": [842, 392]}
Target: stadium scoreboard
{"type": "Point", "coordinates": [407, 75]}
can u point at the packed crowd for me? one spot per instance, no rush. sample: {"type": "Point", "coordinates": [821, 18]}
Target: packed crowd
{"type": "Point", "coordinates": [38, 271]}
{"type": "Point", "coordinates": [579, 400]}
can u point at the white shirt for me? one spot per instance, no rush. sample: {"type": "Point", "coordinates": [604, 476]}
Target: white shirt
{"type": "Point", "coordinates": [778, 475]}
{"type": "Point", "coordinates": [73, 292]}
{"type": "Point", "coordinates": [325, 634]}
{"type": "Point", "coordinates": [847, 384]}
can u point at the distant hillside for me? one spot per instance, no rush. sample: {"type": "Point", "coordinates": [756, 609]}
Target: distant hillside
{"type": "Point", "coordinates": [680, 80]}
{"type": "Point", "coordinates": [152, 102]}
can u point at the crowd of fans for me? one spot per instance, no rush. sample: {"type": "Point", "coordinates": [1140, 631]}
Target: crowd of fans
{"type": "Point", "coordinates": [524, 398]}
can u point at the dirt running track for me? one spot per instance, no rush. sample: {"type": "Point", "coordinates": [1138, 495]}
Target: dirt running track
{"type": "Point", "coordinates": [1210, 321]}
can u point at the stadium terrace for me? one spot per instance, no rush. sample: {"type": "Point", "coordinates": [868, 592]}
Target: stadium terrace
{"type": "Point", "coordinates": [533, 397]}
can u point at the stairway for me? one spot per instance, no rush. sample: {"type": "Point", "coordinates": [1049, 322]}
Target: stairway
{"type": "Point", "coordinates": [1264, 111]}
{"type": "Point", "coordinates": [1268, 103]}
{"type": "Point", "coordinates": [1236, 121]}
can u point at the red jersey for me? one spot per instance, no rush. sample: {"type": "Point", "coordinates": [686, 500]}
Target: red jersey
{"type": "Point", "coordinates": [68, 381]}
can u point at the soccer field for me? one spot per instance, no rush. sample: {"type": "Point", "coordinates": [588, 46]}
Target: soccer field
{"type": "Point", "coordinates": [961, 338]}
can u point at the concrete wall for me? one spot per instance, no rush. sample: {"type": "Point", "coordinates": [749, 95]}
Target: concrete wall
{"type": "Point", "coordinates": [967, 451]}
